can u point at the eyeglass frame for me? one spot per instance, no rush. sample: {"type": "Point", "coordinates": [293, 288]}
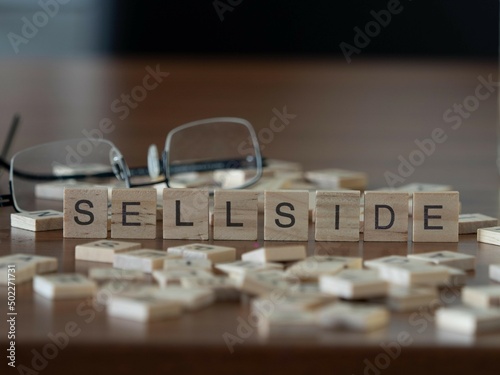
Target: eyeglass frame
{"type": "Point", "coordinates": [122, 172]}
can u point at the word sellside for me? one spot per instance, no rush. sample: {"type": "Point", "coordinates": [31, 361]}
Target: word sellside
{"type": "Point", "coordinates": [337, 215]}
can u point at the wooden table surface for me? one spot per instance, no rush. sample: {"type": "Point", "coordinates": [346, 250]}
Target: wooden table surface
{"type": "Point", "coordinates": [362, 116]}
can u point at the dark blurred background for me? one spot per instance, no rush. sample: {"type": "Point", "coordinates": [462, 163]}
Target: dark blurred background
{"type": "Point", "coordinates": [432, 28]}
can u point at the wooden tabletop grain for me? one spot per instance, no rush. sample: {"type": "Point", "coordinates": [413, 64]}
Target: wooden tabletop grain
{"type": "Point", "coordinates": [365, 116]}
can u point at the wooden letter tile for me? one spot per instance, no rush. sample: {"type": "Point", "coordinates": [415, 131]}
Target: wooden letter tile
{"type": "Point", "coordinates": [217, 254]}
{"type": "Point", "coordinates": [145, 260]}
{"type": "Point", "coordinates": [85, 213]}
{"type": "Point", "coordinates": [103, 250]}
{"type": "Point", "coordinates": [276, 254]}
{"type": "Point", "coordinates": [185, 214]}
{"type": "Point", "coordinates": [470, 223]}
{"type": "Point", "coordinates": [354, 284]}
{"type": "Point", "coordinates": [489, 235]}
{"type": "Point", "coordinates": [16, 271]}
{"type": "Point", "coordinates": [386, 216]}
{"type": "Point", "coordinates": [43, 264]}
{"type": "Point", "coordinates": [337, 216]}
{"type": "Point", "coordinates": [143, 307]}
{"type": "Point", "coordinates": [64, 286]}
{"type": "Point", "coordinates": [286, 215]}
{"type": "Point", "coordinates": [133, 213]}
{"type": "Point", "coordinates": [435, 216]}
{"type": "Point", "coordinates": [235, 215]}
{"type": "Point", "coordinates": [353, 316]}
{"type": "Point", "coordinates": [447, 258]}
{"type": "Point", "coordinates": [37, 221]}
{"type": "Point", "coordinates": [484, 296]}
{"type": "Point", "coordinates": [467, 320]}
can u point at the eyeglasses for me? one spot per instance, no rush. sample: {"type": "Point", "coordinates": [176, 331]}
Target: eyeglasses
{"type": "Point", "coordinates": [220, 152]}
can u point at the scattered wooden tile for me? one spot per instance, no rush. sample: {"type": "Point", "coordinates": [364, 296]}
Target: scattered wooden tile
{"type": "Point", "coordinates": [143, 308]}
{"type": "Point", "coordinates": [353, 317]}
{"type": "Point", "coordinates": [337, 216]}
{"type": "Point", "coordinates": [54, 190]}
{"type": "Point", "coordinates": [337, 178]}
{"type": "Point", "coordinates": [189, 263]}
{"type": "Point", "coordinates": [43, 264]}
{"type": "Point", "coordinates": [447, 258]}
{"type": "Point", "coordinates": [190, 298]}
{"type": "Point", "coordinates": [287, 322]}
{"type": "Point", "coordinates": [103, 250]}
{"type": "Point", "coordinates": [37, 221]}
{"type": "Point", "coordinates": [467, 320]}
{"type": "Point", "coordinates": [185, 214]}
{"type": "Point", "coordinates": [457, 277]}
{"type": "Point", "coordinates": [263, 282]}
{"type": "Point", "coordinates": [16, 271]}
{"type": "Point", "coordinates": [275, 254]}
{"type": "Point", "coordinates": [173, 277]}
{"type": "Point", "coordinates": [406, 299]}
{"type": "Point", "coordinates": [386, 216]}
{"type": "Point", "coordinates": [85, 212]}
{"type": "Point", "coordinates": [216, 254]}
{"type": "Point", "coordinates": [489, 235]}
{"type": "Point", "coordinates": [313, 267]}
{"type": "Point", "coordinates": [494, 272]}
{"type": "Point", "coordinates": [411, 274]}
{"type": "Point", "coordinates": [133, 213]}
{"type": "Point", "coordinates": [145, 260]}
{"type": "Point", "coordinates": [354, 284]}
{"type": "Point", "coordinates": [223, 287]}
{"type": "Point", "coordinates": [435, 216]}
{"type": "Point", "coordinates": [482, 296]}
{"type": "Point", "coordinates": [101, 274]}
{"type": "Point", "coordinates": [286, 215]}
{"type": "Point", "coordinates": [235, 215]}
{"type": "Point", "coordinates": [470, 223]}
{"type": "Point", "coordinates": [290, 302]}
{"type": "Point", "coordinates": [391, 259]}
{"type": "Point", "coordinates": [115, 288]}
{"type": "Point", "coordinates": [244, 266]}
{"type": "Point", "coordinates": [64, 286]}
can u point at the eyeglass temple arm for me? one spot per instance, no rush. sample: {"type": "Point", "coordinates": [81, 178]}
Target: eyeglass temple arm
{"type": "Point", "coordinates": [212, 166]}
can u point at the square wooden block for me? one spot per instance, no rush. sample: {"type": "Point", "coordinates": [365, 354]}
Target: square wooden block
{"type": "Point", "coordinates": [489, 235]}
{"type": "Point", "coordinates": [85, 213]}
{"type": "Point", "coordinates": [103, 250]}
{"type": "Point", "coordinates": [337, 216]}
{"type": "Point", "coordinates": [235, 215]}
{"type": "Point", "coordinates": [447, 258]}
{"type": "Point", "coordinates": [43, 264]}
{"type": "Point", "coordinates": [185, 214]}
{"type": "Point", "coordinates": [16, 271]}
{"type": "Point", "coordinates": [435, 216]}
{"type": "Point", "coordinates": [145, 260]}
{"type": "Point", "coordinates": [64, 286]}
{"type": "Point", "coordinates": [386, 216]}
{"type": "Point", "coordinates": [37, 221]}
{"type": "Point", "coordinates": [217, 254]}
{"type": "Point", "coordinates": [470, 223]}
{"type": "Point", "coordinates": [354, 284]}
{"type": "Point", "coordinates": [286, 215]}
{"type": "Point", "coordinates": [411, 274]}
{"type": "Point", "coordinates": [133, 213]}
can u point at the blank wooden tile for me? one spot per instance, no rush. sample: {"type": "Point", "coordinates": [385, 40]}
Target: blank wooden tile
{"type": "Point", "coordinates": [286, 215]}
{"type": "Point", "coordinates": [244, 266]}
{"type": "Point", "coordinates": [287, 322]}
{"type": "Point", "coordinates": [133, 213]}
{"type": "Point", "coordinates": [276, 254]}
{"type": "Point", "coordinates": [470, 223]}
{"type": "Point", "coordinates": [467, 320]}
{"type": "Point", "coordinates": [338, 178]}
{"type": "Point", "coordinates": [101, 274]}
{"type": "Point", "coordinates": [169, 277]}
{"type": "Point", "coordinates": [482, 296]}
{"type": "Point", "coordinates": [494, 272]}
{"type": "Point", "coordinates": [354, 284]}
{"type": "Point", "coordinates": [143, 308]}
{"type": "Point", "coordinates": [489, 235]}
{"type": "Point", "coordinates": [190, 298]}
{"type": "Point", "coordinates": [435, 216]}
{"type": "Point", "coordinates": [386, 216]}
{"type": "Point", "coordinates": [447, 258]}
{"type": "Point", "coordinates": [405, 299]}
{"type": "Point", "coordinates": [217, 254]}
{"type": "Point", "coordinates": [64, 286]}
{"type": "Point", "coordinates": [85, 213]}
{"type": "Point", "coordinates": [103, 250]}
{"type": "Point", "coordinates": [337, 216]}
{"type": "Point", "coordinates": [185, 214]}
{"type": "Point", "coordinates": [235, 215]}
{"type": "Point", "coordinates": [353, 317]}
{"type": "Point", "coordinates": [145, 260]}
{"type": "Point", "coordinates": [43, 264]}
{"type": "Point", "coordinates": [37, 221]}
{"type": "Point", "coordinates": [16, 271]}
